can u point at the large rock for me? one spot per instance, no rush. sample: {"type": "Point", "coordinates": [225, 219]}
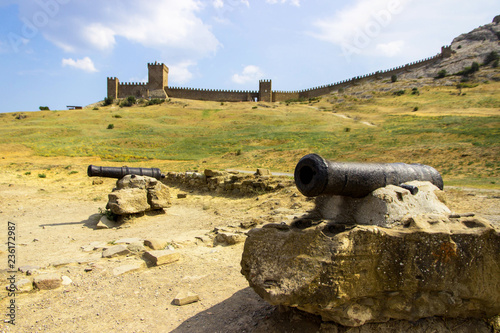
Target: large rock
{"type": "Point", "coordinates": [138, 194]}
{"type": "Point", "coordinates": [427, 266]}
{"type": "Point", "coordinates": [386, 206]}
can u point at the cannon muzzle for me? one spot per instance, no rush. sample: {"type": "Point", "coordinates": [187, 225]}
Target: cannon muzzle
{"type": "Point", "coordinates": [316, 176]}
{"type": "Point", "coordinates": [120, 172]}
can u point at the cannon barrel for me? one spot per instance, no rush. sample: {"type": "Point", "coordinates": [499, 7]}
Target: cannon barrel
{"type": "Point", "coordinates": [316, 176]}
{"type": "Point", "coordinates": [120, 172]}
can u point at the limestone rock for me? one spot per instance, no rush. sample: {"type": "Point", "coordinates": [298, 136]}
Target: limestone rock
{"type": "Point", "coordinates": [105, 223]}
{"type": "Point", "coordinates": [47, 281]}
{"type": "Point", "coordinates": [229, 238]}
{"type": "Point", "coordinates": [162, 257]}
{"type": "Point", "coordinates": [127, 240]}
{"type": "Point", "coordinates": [386, 206]}
{"type": "Point", "coordinates": [137, 194]}
{"type": "Point", "coordinates": [136, 247]}
{"type": "Point", "coordinates": [156, 243]}
{"type": "Point", "coordinates": [128, 201]}
{"type": "Point", "coordinates": [184, 298]}
{"type": "Point", "coordinates": [66, 281]}
{"type": "Point", "coordinates": [115, 251]}
{"type": "Point", "coordinates": [263, 172]}
{"type": "Point", "coordinates": [128, 268]}
{"type": "Point", "coordinates": [361, 274]}
{"type": "Point", "coordinates": [22, 286]}
{"type": "Point", "coordinates": [28, 268]}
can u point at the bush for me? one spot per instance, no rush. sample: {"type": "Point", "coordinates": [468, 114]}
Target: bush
{"type": "Point", "coordinates": [399, 92]}
{"type": "Point", "coordinates": [44, 108]}
{"type": "Point", "coordinates": [95, 109]}
{"type": "Point", "coordinates": [41, 175]}
{"type": "Point", "coordinates": [470, 70]}
{"type": "Point", "coordinates": [155, 101]}
{"type": "Point", "coordinates": [107, 101]}
{"type": "Point", "coordinates": [441, 74]}
{"type": "Point", "coordinates": [394, 78]}
{"type": "Point", "coordinates": [129, 101]}
{"type": "Point", "coordinates": [414, 91]}
{"type": "Point", "coordinates": [495, 63]}
{"type": "Point", "coordinates": [111, 126]}
{"type": "Point", "coordinates": [415, 109]}
{"type": "Point", "coordinates": [491, 57]}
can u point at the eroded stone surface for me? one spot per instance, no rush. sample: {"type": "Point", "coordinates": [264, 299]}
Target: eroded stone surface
{"type": "Point", "coordinates": [429, 267]}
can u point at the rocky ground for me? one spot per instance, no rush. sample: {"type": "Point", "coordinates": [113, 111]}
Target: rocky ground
{"type": "Point", "coordinates": [55, 218]}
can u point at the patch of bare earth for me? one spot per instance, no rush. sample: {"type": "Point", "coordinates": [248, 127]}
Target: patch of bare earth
{"type": "Point", "coordinates": [56, 216]}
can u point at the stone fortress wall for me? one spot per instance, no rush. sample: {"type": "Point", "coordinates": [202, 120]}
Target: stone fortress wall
{"type": "Point", "coordinates": [157, 85]}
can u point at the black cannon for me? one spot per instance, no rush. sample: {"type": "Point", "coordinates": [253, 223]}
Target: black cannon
{"type": "Point", "coordinates": [316, 176]}
{"type": "Point", "coordinates": [120, 172]}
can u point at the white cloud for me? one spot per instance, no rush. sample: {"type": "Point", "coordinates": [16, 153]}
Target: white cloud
{"type": "Point", "coordinates": [180, 73]}
{"type": "Point", "coordinates": [85, 64]}
{"type": "Point", "coordinates": [360, 23]}
{"type": "Point", "coordinates": [292, 2]}
{"type": "Point", "coordinates": [250, 73]}
{"type": "Point", "coordinates": [165, 25]}
{"type": "Point", "coordinates": [391, 49]}
{"type": "Point", "coordinates": [218, 3]}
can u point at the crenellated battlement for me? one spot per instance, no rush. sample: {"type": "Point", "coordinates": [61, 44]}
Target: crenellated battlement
{"type": "Point", "coordinates": [157, 85]}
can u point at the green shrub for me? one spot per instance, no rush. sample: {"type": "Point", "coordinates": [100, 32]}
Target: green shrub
{"type": "Point", "coordinates": [399, 92]}
{"type": "Point", "coordinates": [95, 109]}
{"type": "Point", "coordinates": [441, 74]}
{"type": "Point", "coordinates": [73, 172]}
{"type": "Point", "coordinates": [491, 57]}
{"type": "Point", "coordinates": [41, 175]}
{"type": "Point", "coordinates": [27, 173]}
{"type": "Point", "coordinates": [44, 108]}
{"type": "Point", "coordinates": [495, 63]}
{"type": "Point", "coordinates": [415, 109]}
{"type": "Point", "coordinates": [129, 101]}
{"type": "Point", "coordinates": [111, 126]}
{"type": "Point", "coordinates": [107, 101]}
{"type": "Point", "coordinates": [155, 101]}
{"type": "Point", "coordinates": [394, 78]}
{"type": "Point", "coordinates": [414, 91]}
{"type": "Point", "coordinates": [117, 116]}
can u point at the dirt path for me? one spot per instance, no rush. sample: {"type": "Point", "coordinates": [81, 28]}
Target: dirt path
{"type": "Point", "coordinates": [55, 217]}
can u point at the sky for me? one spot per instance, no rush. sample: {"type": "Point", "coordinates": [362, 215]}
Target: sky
{"type": "Point", "coordinates": [59, 52]}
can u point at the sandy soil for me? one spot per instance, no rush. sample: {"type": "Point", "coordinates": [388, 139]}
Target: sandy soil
{"type": "Point", "coordinates": [55, 217]}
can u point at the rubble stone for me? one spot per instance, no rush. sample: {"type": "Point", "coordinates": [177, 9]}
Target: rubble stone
{"type": "Point", "coordinates": [115, 251]}
{"type": "Point", "coordinates": [47, 281]}
{"type": "Point", "coordinates": [162, 257]}
{"type": "Point", "coordinates": [184, 298]}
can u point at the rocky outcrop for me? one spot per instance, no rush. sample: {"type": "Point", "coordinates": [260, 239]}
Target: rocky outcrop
{"type": "Point", "coordinates": [138, 194]}
{"type": "Point", "coordinates": [424, 263]}
{"type": "Point", "coordinates": [372, 274]}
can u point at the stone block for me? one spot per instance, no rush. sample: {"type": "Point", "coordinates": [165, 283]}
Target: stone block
{"type": "Point", "coordinates": [115, 251]}
{"type": "Point", "coordinates": [156, 243]}
{"type": "Point", "coordinates": [47, 281]}
{"type": "Point", "coordinates": [162, 257]}
{"type": "Point", "coordinates": [184, 298]}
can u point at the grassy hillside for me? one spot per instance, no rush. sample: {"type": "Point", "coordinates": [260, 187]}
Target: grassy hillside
{"type": "Point", "coordinates": [458, 135]}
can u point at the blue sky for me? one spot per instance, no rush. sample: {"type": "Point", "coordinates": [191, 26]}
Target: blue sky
{"type": "Point", "coordinates": [59, 52]}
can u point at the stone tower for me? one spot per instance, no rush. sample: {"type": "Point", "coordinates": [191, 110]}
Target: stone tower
{"type": "Point", "coordinates": [113, 87]}
{"type": "Point", "coordinates": [265, 91]}
{"type": "Point", "coordinates": [157, 80]}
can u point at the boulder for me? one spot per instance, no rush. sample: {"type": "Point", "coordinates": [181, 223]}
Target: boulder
{"type": "Point", "coordinates": [156, 243]}
{"type": "Point", "coordinates": [138, 194]}
{"type": "Point", "coordinates": [386, 206]}
{"type": "Point", "coordinates": [355, 274]}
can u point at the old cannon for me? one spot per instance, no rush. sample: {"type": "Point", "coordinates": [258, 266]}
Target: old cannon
{"type": "Point", "coordinates": [316, 176]}
{"type": "Point", "coordinates": [120, 172]}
